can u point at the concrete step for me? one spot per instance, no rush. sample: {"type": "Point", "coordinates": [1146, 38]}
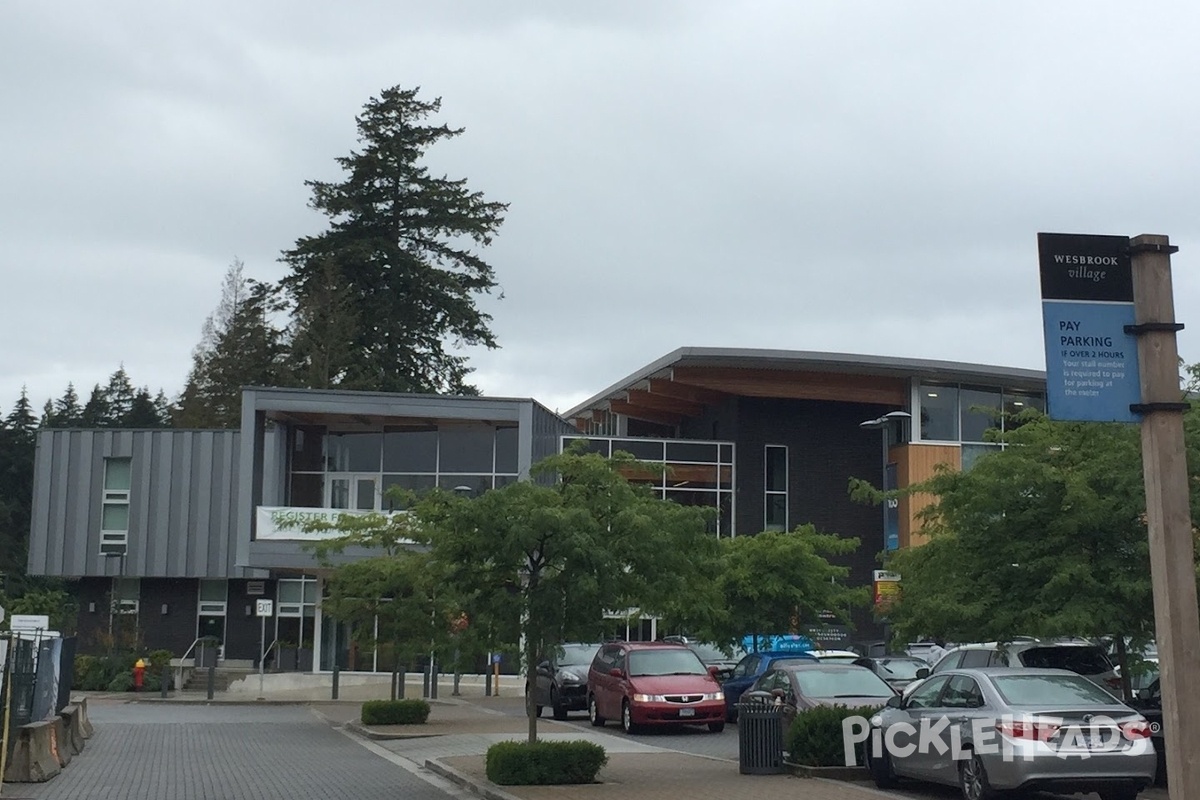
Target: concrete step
{"type": "Point", "coordinates": [222, 677]}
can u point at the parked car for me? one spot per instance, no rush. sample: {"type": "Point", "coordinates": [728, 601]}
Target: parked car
{"type": "Point", "coordinates": [560, 681]}
{"type": "Point", "coordinates": [750, 668]}
{"type": "Point", "coordinates": [799, 687]}
{"type": "Point", "coordinates": [653, 683]}
{"type": "Point", "coordinates": [711, 654]}
{"type": "Point", "coordinates": [1084, 659]}
{"type": "Point", "coordinates": [1037, 732]}
{"type": "Point", "coordinates": [898, 671]}
{"type": "Point", "coordinates": [835, 656]}
{"type": "Point", "coordinates": [1148, 701]}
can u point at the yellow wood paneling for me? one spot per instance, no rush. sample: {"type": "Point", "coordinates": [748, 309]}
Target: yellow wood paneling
{"type": "Point", "coordinates": [914, 464]}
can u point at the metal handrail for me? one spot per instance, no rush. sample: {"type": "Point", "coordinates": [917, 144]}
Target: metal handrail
{"type": "Point", "coordinates": [188, 652]}
{"type": "Point", "coordinates": [262, 659]}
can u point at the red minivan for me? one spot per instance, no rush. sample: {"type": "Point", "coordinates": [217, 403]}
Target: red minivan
{"type": "Point", "coordinates": [653, 683]}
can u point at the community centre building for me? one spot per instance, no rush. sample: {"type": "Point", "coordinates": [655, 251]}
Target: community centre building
{"type": "Point", "coordinates": [175, 534]}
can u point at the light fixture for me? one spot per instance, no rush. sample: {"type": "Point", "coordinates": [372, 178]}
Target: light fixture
{"type": "Point", "coordinates": [91, 608]}
{"type": "Point", "coordinates": [164, 608]}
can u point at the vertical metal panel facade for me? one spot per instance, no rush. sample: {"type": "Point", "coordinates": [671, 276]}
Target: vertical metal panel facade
{"type": "Point", "coordinates": [546, 429]}
{"type": "Point", "coordinates": [182, 509]}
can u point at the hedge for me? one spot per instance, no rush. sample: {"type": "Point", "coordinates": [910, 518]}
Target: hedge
{"type": "Point", "coordinates": [395, 712]}
{"type": "Point", "coordinates": [540, 763]}
{"type": "Point", "coordinates": [815, 737]}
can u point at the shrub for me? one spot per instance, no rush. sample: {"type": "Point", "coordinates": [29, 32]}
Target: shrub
{"type": "Point", "coordinates": [395, 712]}
{"type": "Point", "coordinates": [159, 659]}
{"type": "Point", "coordinates": [121, 682]}
{"type": "Point", "coordinates": [815, 738]}
{"type": "Point", "coordinates": [540, 763]}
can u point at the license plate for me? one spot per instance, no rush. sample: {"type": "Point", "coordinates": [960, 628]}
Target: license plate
{"type": "Point", "coordinates": [687, 712]}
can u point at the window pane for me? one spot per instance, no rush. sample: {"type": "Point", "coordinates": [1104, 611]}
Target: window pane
{"type": "Point", "coordinates": [939, 413]}
{"type": "Point", "coordinates": [412, 483]}
{"type": "Point", "coordinates": [308, 448]}
{"type": "Point", "coordinates": [726, 454]}
{"type": "Point", "coordinates": [115, 517]}
{"type": "Point", "coordinates": [289, 590]}
{"type": "Point", "coordinates": [971, 453]}
{"type": "Point", "coordinates": [691, 476]}
{"type": "Point", "coordinates": [1015, 403]}
{"type": "Point", "coordinates": [505, 480]}
{"type": "Point", "coordinates": [980, 411]}
{"type": "Point", "coordinates": [213, 591]}
{"type": "Point", "coordinates": [339, 493]}
{"type": "Point", "coordinates": [466, 485]}
{"type": "Point", "coordinates": [644, 449]}
{"type": "Point", "coordinates": [691, 451]}
{"type": "Point", "coordinates": [776, 469]}
{"type": "Point", "coordinates": [307, 491]}
{"type": "Point", "coordinates": [590, 445]}
{"type": "Point", "coordinates": [776, 513]}
{"type": "Point", "coordinates": [364, 499]}
{"type": "Point", "coordinates": [725, 521]}
{"type": "Point", "coordinates": [128, 588]}
{"type": "Point", "coordinates": [506, 450]}
{"type": "Point", "coordinates": [354, 452]}
{"type": "Point", "coordinates": [410, 449]}
{"type": "Point", "coordinates": [310, 591]}
{"type": "Point", "coordinates": [465, 448]}
{"type": "Point", "coordinates": [116, 473]}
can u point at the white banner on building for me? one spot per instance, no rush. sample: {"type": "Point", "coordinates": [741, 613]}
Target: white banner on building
{"type": "Point", "coordinates": [288, 524]}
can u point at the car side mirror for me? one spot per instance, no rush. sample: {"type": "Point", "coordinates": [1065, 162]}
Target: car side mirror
{"type": "Point", "coordinates": [922, 673]}
{"type": "Point", "coordinates": [544, 666]}
{"type": "Point", "coordinates": [617, 672]}
{"type": "Point", "coordinates": [895, 701]}
{"type": "Point", "coordinates": [714, 670]}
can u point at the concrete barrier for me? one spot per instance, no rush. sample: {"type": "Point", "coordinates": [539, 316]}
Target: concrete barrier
{"type": "Point", "coordinates": [75, 738]}
{"type": "Point", "coordinates": [35, 756]}
{"type": "Point", "coordinates": [62, 732]}
{"type": "Point", "coordinates": [85, 724]}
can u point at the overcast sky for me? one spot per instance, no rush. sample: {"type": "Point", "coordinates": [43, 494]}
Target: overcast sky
{"type": "Point", "coordinates": [859, 177]}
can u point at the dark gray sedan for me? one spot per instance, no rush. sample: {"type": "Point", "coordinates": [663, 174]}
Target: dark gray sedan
{"type": "Point", "coordinates": [999, 728]}
{"type": "Point", "coordinates": [560, 681]}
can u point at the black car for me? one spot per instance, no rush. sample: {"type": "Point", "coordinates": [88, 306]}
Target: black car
{"type": "Point", "coordinates": [898, 671]}
{"type": "Point", "coordinates": [560, 681]}
{"type": "Point", "coordinates": [1149, 702]}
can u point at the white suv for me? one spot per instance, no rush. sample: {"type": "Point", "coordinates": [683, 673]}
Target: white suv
{"type": "Point", "coordinates": [1082, 658]}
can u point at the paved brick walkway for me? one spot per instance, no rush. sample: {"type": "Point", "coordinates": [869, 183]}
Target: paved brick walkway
{"type": "Point", "coordinates": [188, 752]}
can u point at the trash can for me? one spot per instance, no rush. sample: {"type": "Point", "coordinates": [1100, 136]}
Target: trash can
{"type": "Point", "coordinates": [760, 739]}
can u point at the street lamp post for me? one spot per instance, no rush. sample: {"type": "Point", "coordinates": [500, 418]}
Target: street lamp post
{"type": "Point", "coordinates": [884, 425]}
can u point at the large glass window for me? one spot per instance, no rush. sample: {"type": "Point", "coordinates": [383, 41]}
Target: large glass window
{"type": "Point", "coordinates": [775, 473]}
{"type": "Point", "coordinates": [308, 448]}
{"type": "Point", "coordinates": [410, 448]}
{"type": "Point", "coordinates": [980, 412]}
{"type": "Point", "coordinates": [939, 413]}
{"type": "Point", "coordinates": [354, 452]}
{"type": "Point", "coordinates": [466, 448]}
{"type": "Point", "coordinates": [506, 451]}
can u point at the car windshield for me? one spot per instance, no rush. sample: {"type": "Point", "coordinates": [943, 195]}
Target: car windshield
{"type": "Point", "coordinates": [709, 653]}
{"type": "Point", "coordinates": [900, 668]}
{"type": "Point", "coordinates": [842, 683]}
{"type": "Point", "coordinates": [1051, 690]}
{"type": "Point", "coordinates": [667, 661]}
{"type": "Point", "coordinates": [1083, 660]}
{"type": "Point", "coordinates": [577, 655]}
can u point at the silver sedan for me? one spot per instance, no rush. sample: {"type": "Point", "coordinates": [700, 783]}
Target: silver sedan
{"type": "Point", "coordinates": [998, 728]}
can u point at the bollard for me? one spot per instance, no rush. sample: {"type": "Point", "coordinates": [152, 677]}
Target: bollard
{"type": "Point", "coordinates": [212, 681]}
{"type": "Point", "coordinates": [425, 682]}
{"type": "Point", "coordinates": [166, 680]}
{"type": "Point", "coordinates": [433, 680]}
{"type": "Point", "coordinates": [335, 681]}
{"type": "Point", "coordinates": [401, 679]}
{"type": "Point", "coordinates": [487, 683]}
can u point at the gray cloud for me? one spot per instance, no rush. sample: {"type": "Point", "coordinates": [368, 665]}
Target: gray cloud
{"type": "Point", "coordinates": [851, 176]}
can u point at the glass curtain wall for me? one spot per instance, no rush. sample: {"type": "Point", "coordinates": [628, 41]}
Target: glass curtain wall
{"type": "Point", "coordinates": [963, 414]}
{"type": "Point", "coordinates": [699, 473]}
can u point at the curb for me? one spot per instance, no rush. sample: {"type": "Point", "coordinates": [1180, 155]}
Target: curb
{"type": "Point", "coordinates": [453, 775]}
{"type": "Point", "coordinates": [358, 728]}
{"type": "Point", "coordinates": [842, 774]}
{"type": "Point", "coordinates": [204, 701]}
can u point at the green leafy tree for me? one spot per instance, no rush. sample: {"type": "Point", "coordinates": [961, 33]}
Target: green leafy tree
{"type": "Point", "coordinates": [1046, 537]}
{"type": "Point", "coordinates": [783, 581]}
{"type": "Point", "coordinates": [402, 243]}
{"type": "Point", "coordinates": [239, 347]}
{"type": "Point", "coordinates": [549, 559]}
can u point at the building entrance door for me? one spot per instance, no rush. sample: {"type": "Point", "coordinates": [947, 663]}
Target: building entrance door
{"type": "Point", "coordinates": [354, 492]}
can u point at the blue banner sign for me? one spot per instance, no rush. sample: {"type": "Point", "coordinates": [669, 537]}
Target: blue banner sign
{"type": "Point", "coordinates": [1087, 300]}
{"type": "Point", "coordinates": [891, 512]}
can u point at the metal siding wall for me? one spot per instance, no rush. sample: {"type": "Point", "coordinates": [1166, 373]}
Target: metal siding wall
{"type": "Point", "coordinates": [180, 493]}
{"type": "Point", "coordinates": [158, 538]}
{"type": "Point", "coordinates": [35, 559]}
{"type": "Point", "coordinates": [201, 509]}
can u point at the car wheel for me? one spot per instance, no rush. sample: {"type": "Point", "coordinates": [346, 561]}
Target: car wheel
{"type": "Point", "coordinates": [716, 727]}
{"type": "Point", "coordinates": [1122, 793]}
{"type": "Point", "coordinates": [593, 714]}
{"type": "Point", "coordinates": [883, 772]}
{"type": "Point", "coordinates": [973, 780]}
{"type": "Point", "coordinates": [627, 718]}
{"type": "Point", "coordinates": [556, 708]}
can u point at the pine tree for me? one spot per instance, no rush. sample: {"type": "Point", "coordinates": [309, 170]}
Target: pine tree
{"type": "Point", "coordinates": [97, 410]}
{"type": "Point", "coordinates": [163, 407]}
{"type": "Point", "coordinates": [142, 412]}
{"type": "Point", "coordinates": [239, 347]}
{"type": "Point", "coordinates": [21, 420]}
{"type": "Point", "coordinates": [402, 244]}
{"type": "Point", "coordinates": [120, 394]}
{"type": "Point", "coordinates": [64, 412]}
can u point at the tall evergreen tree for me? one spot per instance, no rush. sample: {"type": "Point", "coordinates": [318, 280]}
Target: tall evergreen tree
{"type": "Point", "coordinates": [403, 244]}
{"type": "Point", "coordinates": [21, 420]}
{"type": "Point", "coordinates": [120, 394]}
{"type": "Point", "coordinates": [143, 413]}
{"type": "Point", "coordinates": [66, 411]}
{"type": "Point", "coordinates": [17, 443]}
{"type": "Point", "coordinates": [239, 347]}
{"type": "Point", "coordinates": [97, 411]}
